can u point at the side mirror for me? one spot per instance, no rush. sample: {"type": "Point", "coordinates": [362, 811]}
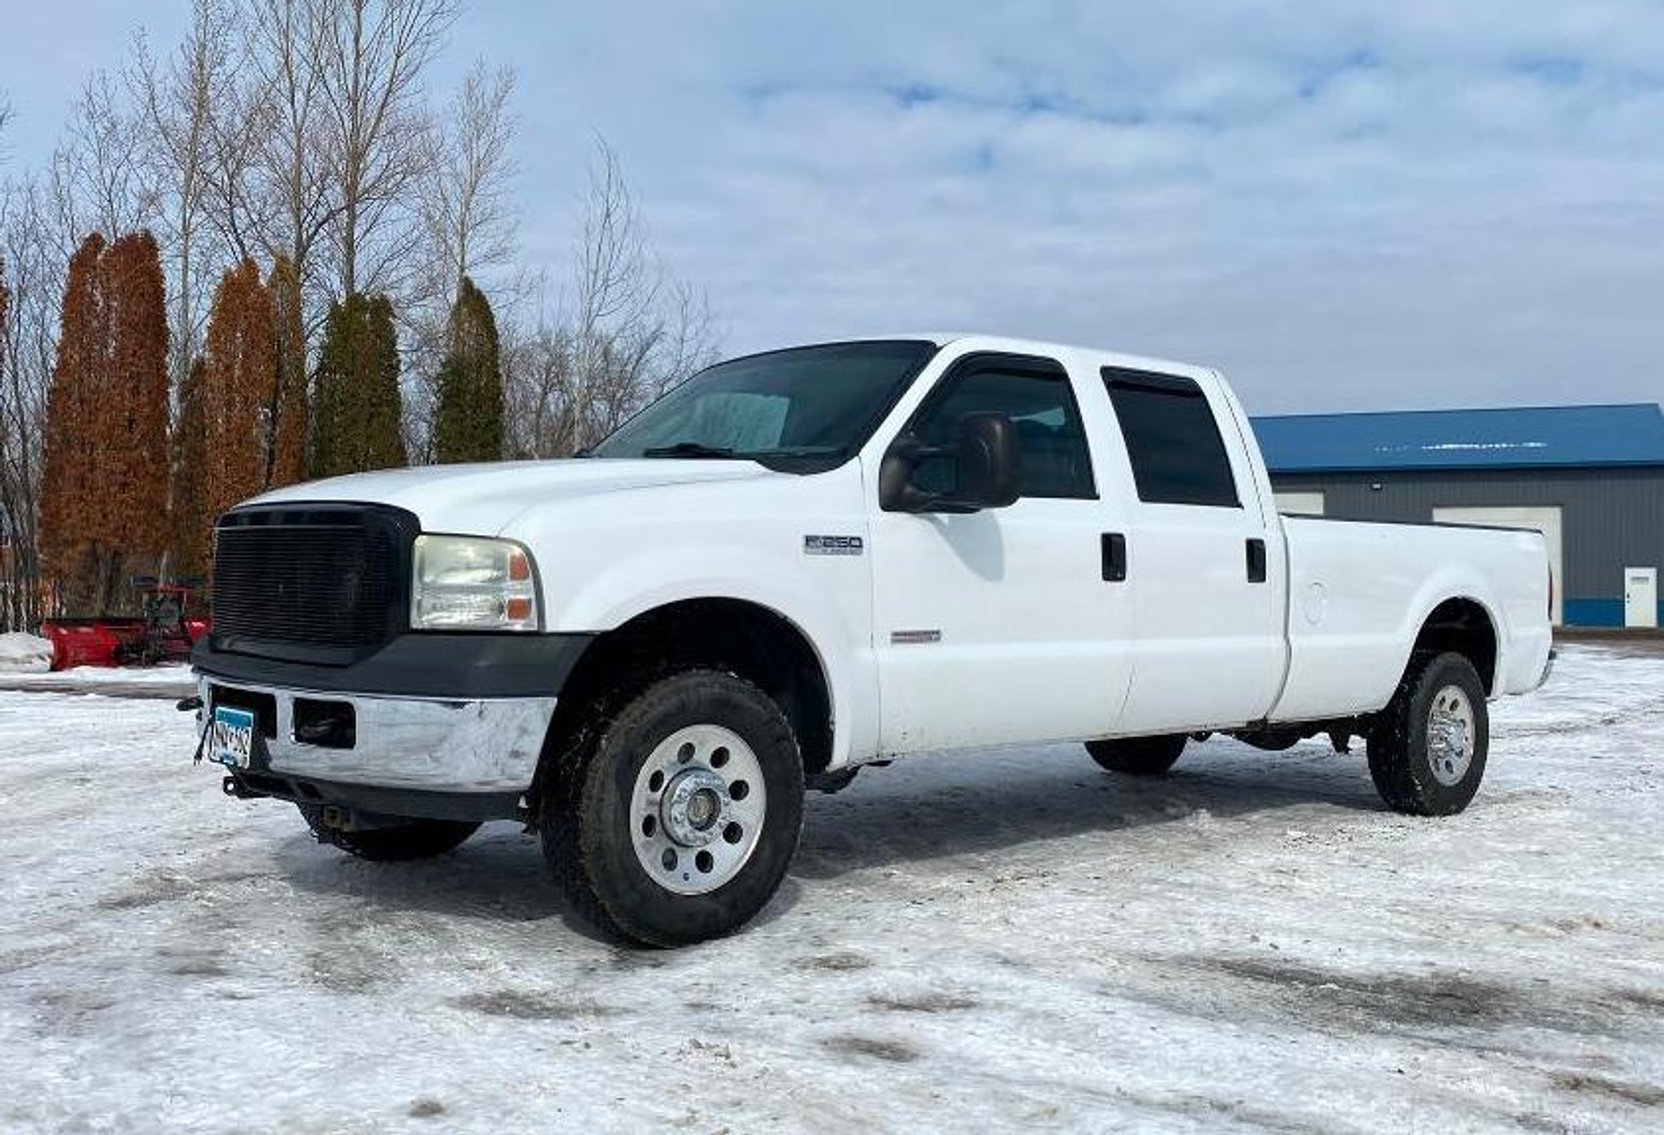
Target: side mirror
{"type": "Point", "coordinates": [987, 459]}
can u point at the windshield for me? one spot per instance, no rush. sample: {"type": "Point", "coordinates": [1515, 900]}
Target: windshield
{"type": "Point", "coordinates": [804, 410]}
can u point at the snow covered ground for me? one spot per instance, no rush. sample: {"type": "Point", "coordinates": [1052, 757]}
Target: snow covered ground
{"type": "Point", "coordinates": [1009, 940]}
{"type": "Point", "coordinates": [91, 677]}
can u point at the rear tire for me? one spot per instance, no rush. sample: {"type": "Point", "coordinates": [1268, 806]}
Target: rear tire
{"type": "Point", "coordinates": [1427, 749]}
{"type": "Point", "coordinates": [1138, 756]}
{"type": "Point", "coordinates": [673, 821]}
{"type": "Point", "coordinates": [415, 839]}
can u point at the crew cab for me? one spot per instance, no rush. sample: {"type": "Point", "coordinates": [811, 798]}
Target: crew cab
{"type": "Point", "coordinates": [800, 562]}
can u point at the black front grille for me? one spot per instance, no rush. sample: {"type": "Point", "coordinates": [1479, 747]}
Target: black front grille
{"type": "Point", "coordinates": [326, 579]}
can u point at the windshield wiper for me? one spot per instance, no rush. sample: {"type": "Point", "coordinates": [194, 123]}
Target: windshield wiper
{"type": "Point", "coordinates": [688, 449]}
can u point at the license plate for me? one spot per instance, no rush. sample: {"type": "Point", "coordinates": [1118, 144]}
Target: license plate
{"type": "Point", "coordinates": [231, 736]}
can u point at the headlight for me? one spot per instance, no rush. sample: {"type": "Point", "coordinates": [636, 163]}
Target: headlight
{"type": "Point", "coordinates": [472, 584]}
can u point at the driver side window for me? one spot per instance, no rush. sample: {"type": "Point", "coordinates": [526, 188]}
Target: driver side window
{"type": "Point", "coordinates": [1037, 397]}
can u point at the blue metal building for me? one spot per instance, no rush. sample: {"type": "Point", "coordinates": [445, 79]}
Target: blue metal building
{"type": "Point", "coordinates": [1591, 478]}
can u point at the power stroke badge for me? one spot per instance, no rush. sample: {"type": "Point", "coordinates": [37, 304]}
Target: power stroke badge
{"type": "Point", "coordinates": [833, 546]}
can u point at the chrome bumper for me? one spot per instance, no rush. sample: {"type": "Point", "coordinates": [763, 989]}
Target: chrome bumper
{"type": "Point", "coordinates": [488, 745]}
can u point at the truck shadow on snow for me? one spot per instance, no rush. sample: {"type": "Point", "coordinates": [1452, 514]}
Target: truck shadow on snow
{"type": "Point", "coordinates": [930, 807]}
{"type": "Point", "coordinates": [498, 876]}
{"type": "Point", "coordinates": [916, 810]}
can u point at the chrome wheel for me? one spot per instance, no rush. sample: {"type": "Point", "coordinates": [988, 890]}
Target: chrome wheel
{"type": "Point", "coordinates": [1450, 735]}
{"type": "Point", "coordinates": [697, 809]}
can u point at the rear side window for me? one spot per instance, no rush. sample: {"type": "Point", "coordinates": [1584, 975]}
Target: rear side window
{"type": "Point", "coordinates": [1172, 439]}
{"type": "Point", "coordinates": [1036, 395]}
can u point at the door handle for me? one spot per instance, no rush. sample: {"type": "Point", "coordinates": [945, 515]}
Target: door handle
{"type": "Point", "coordinates": [1256, 560]}
{"type": "Point", "coordinates": [1115, 557]}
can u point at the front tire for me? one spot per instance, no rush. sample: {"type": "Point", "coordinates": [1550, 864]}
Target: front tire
{"type": "Point", "coordinates": [675, 820]}
{"type": "Point", "coordinates": [1138, 756]}
{"type": "Point", "coordinates": [415, 839]}
{"type": "Point", "coordinates": [1427, 749]}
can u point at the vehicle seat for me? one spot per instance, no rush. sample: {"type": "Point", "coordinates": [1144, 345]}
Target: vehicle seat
{"type": "Point", "coordinates": [1051, 461]}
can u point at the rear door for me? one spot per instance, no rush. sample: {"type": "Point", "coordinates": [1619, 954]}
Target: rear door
{"type": "Point", "coordinates": [999, 626]}
{"type": "Point", "coordinates": [1205, 562]}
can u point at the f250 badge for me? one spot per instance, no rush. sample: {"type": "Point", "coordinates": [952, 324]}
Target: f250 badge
{"type": "Point", "coordinates": [833, 546]}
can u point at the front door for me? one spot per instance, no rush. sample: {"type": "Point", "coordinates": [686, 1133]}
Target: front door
{"type": "Point", "coordinates": [999, 626]}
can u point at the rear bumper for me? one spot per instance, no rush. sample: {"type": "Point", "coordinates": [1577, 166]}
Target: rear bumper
{"type": "Point", "coordinates": [1548, 668]}
{"type": "Point", "coordinates": [421, 744]}
{"type": "Point", "coordinates": [1526, 659]}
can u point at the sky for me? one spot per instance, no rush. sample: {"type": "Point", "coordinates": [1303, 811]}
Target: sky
{"type": "Point", "coordinates": [1343, 206]}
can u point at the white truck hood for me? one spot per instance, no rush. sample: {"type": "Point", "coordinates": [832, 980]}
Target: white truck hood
{"type": "Point", "coordinates": [484, 499]}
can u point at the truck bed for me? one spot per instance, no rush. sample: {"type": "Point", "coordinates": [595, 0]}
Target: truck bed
{"type": "Point", "coordinates": [1358, 590]}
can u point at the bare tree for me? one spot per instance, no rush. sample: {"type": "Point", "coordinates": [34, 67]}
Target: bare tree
{"type": "Point", "coordinates": [180, 102]}
{"type": "Point", "coordinates": [633, 331]}
{"type": "Point", "coordinates": [273, 185]}
{"type": "Point", "coordinates": [322, 156]}
{"type": "Point", "coordinates": [690, 338]}
{"type": "Point", "coordinates": [19, 431]}
{"type": "Point", "coordinates": [242, 201]}
{"type": "Point", "coordinates": [372, 54]}
{"type": "Point", "coordinates": [617, 289]}
{"type": "Point", "coordinates": [467, 210]}
{"type": "Point", "coordinates": [100, 160]}
{"type": "Point", "coordinates": [544, 407]}
{"type": "Point", "coordinates": [638, 330]}
{"type": "Point", "coordinates": [31, 275]}
{"type": "Point", "coordinates": [468, 228]}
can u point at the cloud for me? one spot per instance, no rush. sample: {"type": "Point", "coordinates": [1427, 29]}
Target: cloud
{"type": "Point", "coordinates": [1421, 204]}
{"type": "Point", "coordinates": [1343, 205]}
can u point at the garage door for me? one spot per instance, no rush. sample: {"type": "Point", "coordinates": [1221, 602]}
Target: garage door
{"type": "Point", "coordinates": [1300, 504]}
{"type": "Point", "coordinates": [1544, 520]}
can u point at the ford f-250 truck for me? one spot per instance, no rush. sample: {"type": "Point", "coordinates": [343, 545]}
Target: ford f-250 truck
{"type": "Point", "coordinates": [803, 561]}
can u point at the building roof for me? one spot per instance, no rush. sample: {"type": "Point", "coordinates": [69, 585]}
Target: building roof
{"type": "Point", "coordinates": [1526, 437]}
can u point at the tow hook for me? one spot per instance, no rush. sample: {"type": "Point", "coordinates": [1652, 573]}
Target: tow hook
{"type": "Point", "coordinates": [189, 705]}
{"type": "Point", "coordinates": [336, 818]}
{"type": "Point", "coordinates": [231, 786]}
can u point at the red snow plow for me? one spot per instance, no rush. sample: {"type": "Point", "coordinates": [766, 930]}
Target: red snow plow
{"type": "Point", "coordinates": [161, 633]}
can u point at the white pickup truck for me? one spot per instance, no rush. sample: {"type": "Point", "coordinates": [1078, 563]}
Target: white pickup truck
{"type": "Point", "coordinates": [803, 561]}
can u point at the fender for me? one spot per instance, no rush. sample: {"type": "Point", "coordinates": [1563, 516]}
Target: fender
{"type": "Point", "coordinates": [640, 584]}
{"type": "Point", "coordinates": [1442, 588]}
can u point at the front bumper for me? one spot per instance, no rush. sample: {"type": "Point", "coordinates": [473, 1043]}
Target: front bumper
{"type": "Point", "coordinates": [432, 745]}
{"type": "Point", "coordinates": [471, 665]}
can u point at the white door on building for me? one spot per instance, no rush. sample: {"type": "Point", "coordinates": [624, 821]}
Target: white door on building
{"type": "Point", "coordinates": [1640, 597]}
{"type": "Point", "coordinates": [1300, 504]}
{"type": "Point", "coordinates": [1538, 519]}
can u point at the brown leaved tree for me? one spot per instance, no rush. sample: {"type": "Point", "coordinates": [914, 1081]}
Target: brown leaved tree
{"type": "Point", "coordinates": [104, 497]}
{"type": "Point", "coordinates": [70, 509]}
{"type": "Point", "coordinates": [136, 393]}
{"type": "Point", "coordinates": [239, 374]}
